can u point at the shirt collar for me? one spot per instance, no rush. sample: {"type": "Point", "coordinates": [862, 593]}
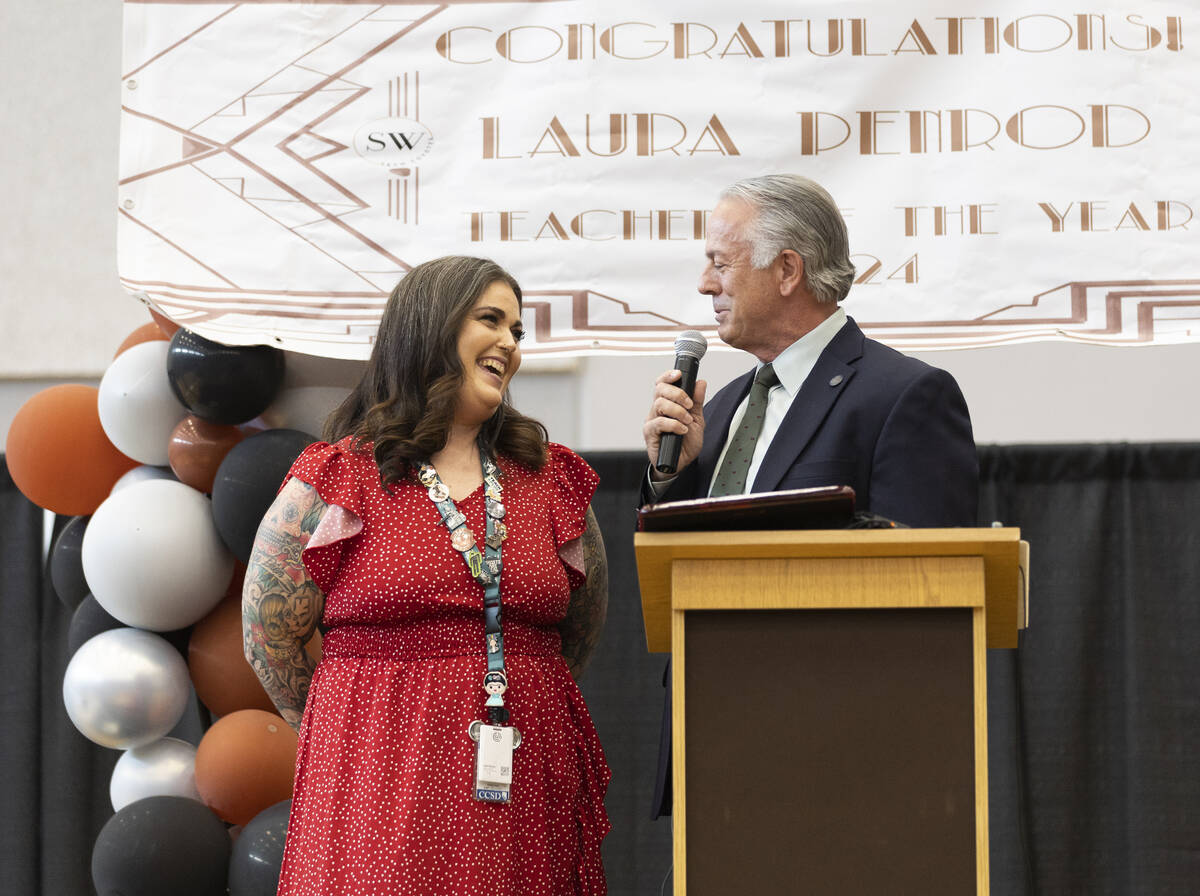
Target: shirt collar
{"type": "Point", "coordinates": [796, 362]}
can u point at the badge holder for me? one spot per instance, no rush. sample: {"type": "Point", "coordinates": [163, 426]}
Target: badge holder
{"type": "Point", "coordinates": [494, 746]}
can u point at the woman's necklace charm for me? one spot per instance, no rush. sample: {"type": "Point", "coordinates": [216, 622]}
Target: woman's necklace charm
{"type": "Point", "coordinates": [498, 533]}
{"type": "Point", "coordinates": [462, 538]}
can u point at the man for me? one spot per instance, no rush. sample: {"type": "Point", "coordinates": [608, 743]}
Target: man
{"type": "Point", "coordinates": [832, 406]}
{"type": "Point", "coordinates": [846, 410]}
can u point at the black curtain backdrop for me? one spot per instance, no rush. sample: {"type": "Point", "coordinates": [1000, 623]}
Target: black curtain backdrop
{"type": "Point", "coordinates": [1094, 719]}
{"type": "Point", "coordinates": [55, 781]}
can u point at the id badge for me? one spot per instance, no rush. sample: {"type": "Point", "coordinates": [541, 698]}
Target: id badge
{"type": "Point", "coordinates": [494, 763]}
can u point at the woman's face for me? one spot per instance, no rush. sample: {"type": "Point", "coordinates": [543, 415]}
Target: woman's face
{"type": "Point", "coordinates": [490, 352]}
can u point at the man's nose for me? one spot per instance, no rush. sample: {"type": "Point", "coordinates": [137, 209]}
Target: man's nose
{"type": "Point", "coordinates": [709, 285]}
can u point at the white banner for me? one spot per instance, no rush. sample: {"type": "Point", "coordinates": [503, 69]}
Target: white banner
{"type": "Point", "coordinates": [1007, 174]}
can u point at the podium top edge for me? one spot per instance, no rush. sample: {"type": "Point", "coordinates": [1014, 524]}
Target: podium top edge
{"type": "Point", "coordinates": [958, 537]}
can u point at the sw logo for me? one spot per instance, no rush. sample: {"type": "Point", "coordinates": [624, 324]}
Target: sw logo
{"type": "Point", "coordinates": [393, 142]}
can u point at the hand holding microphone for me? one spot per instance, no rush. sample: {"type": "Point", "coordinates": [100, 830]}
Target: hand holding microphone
{"type": "Point", "coordinates": [674, 429]}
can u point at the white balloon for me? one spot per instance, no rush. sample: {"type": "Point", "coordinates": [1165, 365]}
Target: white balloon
{"type": "Point", "coordinates": [138, 409]}
{"type": "Point", "coordinates": [141, 474]}
{"type": "Point", "coordinates": [165, 767]}
{"type": "Point", "coordinates": [125, 688]}
{"type": "Point", "coordinates": [153, 558]}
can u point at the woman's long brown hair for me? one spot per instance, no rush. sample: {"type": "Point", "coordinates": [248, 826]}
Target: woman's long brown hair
{"type": "Point", "coordinates": [404, 403]}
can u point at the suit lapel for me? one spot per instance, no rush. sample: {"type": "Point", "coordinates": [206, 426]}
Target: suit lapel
{"type": "Point", "coordinates": [829, 377]}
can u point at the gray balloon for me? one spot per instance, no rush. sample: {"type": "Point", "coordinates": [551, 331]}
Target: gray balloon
{"type": "Point", "coordinates": [125, 688]}
{"type": "Point", "coordinates": [258, 853]}
{"type": "Point", "coordinates": [165, 767]}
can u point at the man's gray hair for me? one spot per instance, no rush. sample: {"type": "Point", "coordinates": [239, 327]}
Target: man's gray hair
{"type": "Point", "coordinates": [793, 212]}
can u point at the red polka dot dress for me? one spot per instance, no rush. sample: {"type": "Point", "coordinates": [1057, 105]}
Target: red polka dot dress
{"type": "Point", "coordinates": [383, 798]}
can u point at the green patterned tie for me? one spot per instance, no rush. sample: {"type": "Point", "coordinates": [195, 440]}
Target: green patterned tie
{"type": "Point", "coordinates": [731, 478]}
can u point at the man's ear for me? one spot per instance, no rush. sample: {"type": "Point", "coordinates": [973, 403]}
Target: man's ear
{"type": "Point", "coordinates": [790, 272]}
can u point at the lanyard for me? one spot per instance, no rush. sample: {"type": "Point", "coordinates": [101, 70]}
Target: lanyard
{"type": "Point", "coordinates": [484, 565]}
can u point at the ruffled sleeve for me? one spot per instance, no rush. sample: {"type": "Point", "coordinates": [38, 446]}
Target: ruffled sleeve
{"type": "Point", "coordinates": [336, 473]}
{"type": "Point", "coordinates": [574, 484]}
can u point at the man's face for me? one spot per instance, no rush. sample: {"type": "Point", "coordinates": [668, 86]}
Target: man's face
{"type": "Point", "coordinates": [748, 304]}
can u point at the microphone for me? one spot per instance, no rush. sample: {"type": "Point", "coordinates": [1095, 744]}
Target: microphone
{"type": "Point", "coordinates": [690, 347]}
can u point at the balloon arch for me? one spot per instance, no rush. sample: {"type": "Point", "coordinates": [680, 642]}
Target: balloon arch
{"type": "Point", "coordinates": [181, 467]}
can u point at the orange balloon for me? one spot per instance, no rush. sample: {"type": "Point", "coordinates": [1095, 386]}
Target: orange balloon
{"type": "Point", "coordinates": [197, 448]}
{"type": "Point", "coordinates": [59, 455]}
{"type": "Point", "coordinates": [150, 332]}
{"type": "Point", "coordinates": [245, 763]}
{"type": "Point", "coordinates": [165, 323]}
{"type": "Point", "coordinates": [224, 681]}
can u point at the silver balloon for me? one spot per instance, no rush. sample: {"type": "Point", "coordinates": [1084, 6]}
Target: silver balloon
{"type": "Point", "coordinates": [125, 688]}
{"type": "Point", "coordinates": [165, 767]}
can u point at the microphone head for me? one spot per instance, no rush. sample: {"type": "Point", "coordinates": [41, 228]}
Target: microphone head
{"type": "Point", "coordinates": [691, 344]}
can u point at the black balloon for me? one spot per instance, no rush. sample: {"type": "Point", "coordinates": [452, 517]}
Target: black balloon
{"type": "Point", "coordinates": [223, 383]}
{"type": "Point", "coordinates": [159, 845]}
{"type": "Point", "coordinates": [258, 853]}
{"type": "Point", "coordinates": [247, 482]}
{"type": "Point", "coordinates": [89, 620]}
{"type": "Point", "coordinates": [178, 638]}
{"type": "Point", "coordinates": [66, 563]}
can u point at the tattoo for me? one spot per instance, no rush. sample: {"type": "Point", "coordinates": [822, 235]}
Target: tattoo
{"type": "Point", "coordinates": [589, 603]}
{"type": "Point", "coordinates": [280, 603]}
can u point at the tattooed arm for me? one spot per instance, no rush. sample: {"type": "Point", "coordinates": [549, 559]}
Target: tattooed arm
{"type": "Point", "coordinates": [589, 603]}
{"type": "Point", "coordinates": [280, 603]}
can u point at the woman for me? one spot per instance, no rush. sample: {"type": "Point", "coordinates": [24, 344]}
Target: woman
{"type": "Point", "coordinates": [430, 492]}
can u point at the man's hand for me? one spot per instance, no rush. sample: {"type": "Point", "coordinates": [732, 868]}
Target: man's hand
{"type": "Point", "coordinates": [672, 411]}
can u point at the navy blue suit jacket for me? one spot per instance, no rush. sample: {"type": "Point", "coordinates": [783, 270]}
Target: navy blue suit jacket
{"type": "Point", "coordinates": [891, 427]}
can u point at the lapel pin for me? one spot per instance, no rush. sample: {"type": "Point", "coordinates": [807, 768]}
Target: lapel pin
{"type": "Point", "coordinates": [836, 381]}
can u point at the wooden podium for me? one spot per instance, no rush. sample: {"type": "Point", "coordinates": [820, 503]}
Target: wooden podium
{"type": "Point", "coordinates": [829, 697]}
